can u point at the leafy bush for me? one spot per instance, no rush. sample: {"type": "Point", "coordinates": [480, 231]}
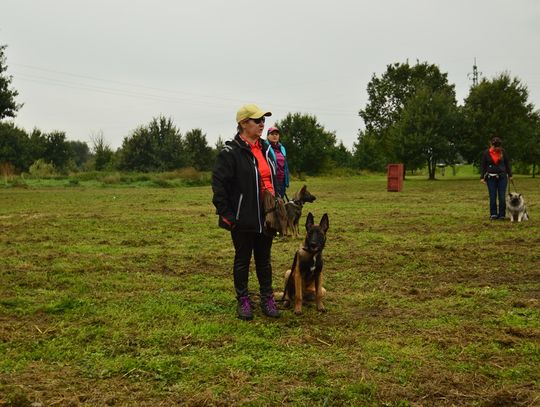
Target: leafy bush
{"type": "Point", "coordinates": [18, 182]}
{"type": "Point", "coordinates": [172, 174]}
{"type": "Point", "coordinates": [521, 168]}
{"type": "Point", "coordinates": [112, 179]}
{"type": "Point", "coordinates": [141, 177]}
{"type": "Point", "coordinates": [188, 173]}
{"type": "Point", "coordinates": [172, 179]}
{"type": "Point", "coordinates": [7, 170]}
{"type": "Point", "coordinates": [187, 176]}
{"type": "Point", "coordinates": [42, 169]}
{"type": "Point", "coordinates": [88, 175]}
{"type": "Point", "coordinates": [191, 177]}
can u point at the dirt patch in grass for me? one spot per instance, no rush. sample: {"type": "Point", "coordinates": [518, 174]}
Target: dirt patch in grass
{"type": "Point", "coordinates": [62, 385]}
{"type": "Point", "coordinates": [446, 389]}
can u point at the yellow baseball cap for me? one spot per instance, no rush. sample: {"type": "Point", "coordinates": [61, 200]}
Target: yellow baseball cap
{"type": "Point", "coordinates": [250, 112]}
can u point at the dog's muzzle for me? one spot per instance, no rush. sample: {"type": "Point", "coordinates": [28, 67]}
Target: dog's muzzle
{"type": "Point", "coordinates": [314, 247]}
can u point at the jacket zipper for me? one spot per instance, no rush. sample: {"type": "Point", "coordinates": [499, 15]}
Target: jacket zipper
{"type": "Point", "coordinates": [258, 192]}
{"type": "Point", "coordinates": [239, 205]}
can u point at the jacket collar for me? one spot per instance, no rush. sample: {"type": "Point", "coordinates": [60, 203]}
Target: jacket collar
{"type": "Point", "coordinates": [244, 145]}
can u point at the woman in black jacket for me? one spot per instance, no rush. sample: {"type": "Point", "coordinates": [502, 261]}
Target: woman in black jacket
{"type": "Point", "coordinates": [495, 171]}
{"type": "Point", "coordinates": [243, 171]}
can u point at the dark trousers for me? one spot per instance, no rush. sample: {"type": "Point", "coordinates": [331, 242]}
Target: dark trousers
{"type": "Point", "coordinates": [281, 189]}
{"type": "Point", "coordinates": [246, 243]}
{"type": "Point", "coordinates": [497, 189]}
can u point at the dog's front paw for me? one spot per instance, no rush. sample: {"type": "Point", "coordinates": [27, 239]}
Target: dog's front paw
{"type": "Point", "coordinates": [297, 312]}
{"type": "Point", "coordinates": [321, 308]}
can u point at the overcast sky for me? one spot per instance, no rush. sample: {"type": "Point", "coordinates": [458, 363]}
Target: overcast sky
{"type": "Point", "coordinates": [109, 66]}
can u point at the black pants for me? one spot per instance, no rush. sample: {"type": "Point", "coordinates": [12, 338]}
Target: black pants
{"type": "Point", "coordinates": [260, 245]}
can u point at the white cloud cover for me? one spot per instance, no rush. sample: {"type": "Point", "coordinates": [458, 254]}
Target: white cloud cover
{"type": "Point", "coordinates": [111, 65]}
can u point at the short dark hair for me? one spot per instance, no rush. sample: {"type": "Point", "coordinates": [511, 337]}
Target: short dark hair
{"type": "Point", "coordinates": [496, 142]}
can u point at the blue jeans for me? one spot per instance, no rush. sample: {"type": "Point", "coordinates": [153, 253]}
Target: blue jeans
{"type": "Point", "coordinates": [497, 189]}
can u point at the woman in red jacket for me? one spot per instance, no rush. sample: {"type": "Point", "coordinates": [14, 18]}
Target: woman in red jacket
{"type": "Point", "coordinates": [495, 171]}
{"type": "Point", "coordinates": [244, 170]}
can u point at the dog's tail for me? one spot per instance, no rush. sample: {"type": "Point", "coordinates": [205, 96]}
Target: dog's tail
{"type": "Point", "coordinates": [288, 291]}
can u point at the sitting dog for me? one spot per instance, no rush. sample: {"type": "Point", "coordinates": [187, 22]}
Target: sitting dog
{"type": "Point", "coordinates": [516, 207]}
{"type": "Point", "coordinates": [307, 266]}
{"type": "Point", "coordinates": [294, 210]}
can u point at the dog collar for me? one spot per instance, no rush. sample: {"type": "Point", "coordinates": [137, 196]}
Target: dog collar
{"type": "Point", "coordinates": [311, 251]}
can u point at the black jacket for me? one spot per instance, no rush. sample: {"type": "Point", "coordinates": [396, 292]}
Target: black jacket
{"type": "Point", "coordinates": [236, 186]}
{"type": "Point", "coordinates": [487, 166]}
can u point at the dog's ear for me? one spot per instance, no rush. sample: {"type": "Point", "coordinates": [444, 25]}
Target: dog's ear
{"type": "Point", "coordinates": [324, 224]}
{"type": "Point", "coordinates": [309, 221]}
{"type": "Point", "coordinates": [303, 190]}
{"type": "Point", "coordinates": [520, 195]}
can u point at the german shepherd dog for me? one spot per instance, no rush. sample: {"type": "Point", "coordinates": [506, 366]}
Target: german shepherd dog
{"type": "Point", "coordinates": [294, 210]}
{"type": "Point", "coordinates": [516, 207]}
{"type": "Point", "coordinates": [306, 270]}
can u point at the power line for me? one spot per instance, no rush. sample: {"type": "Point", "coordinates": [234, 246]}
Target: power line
{"type": "Point", "coordinates": [188, 96]}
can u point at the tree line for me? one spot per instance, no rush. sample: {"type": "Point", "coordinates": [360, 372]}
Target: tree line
{"type": "Point", "coordinates": [158, 146]}
{"type": "Point", "coordinates": [411, 117]}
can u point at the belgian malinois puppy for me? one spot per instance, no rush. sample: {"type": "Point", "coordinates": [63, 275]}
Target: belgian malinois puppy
{"type": "Point", "coordinates": [294, 209]}
{"type": "Point", "coordinates": [307, 266]}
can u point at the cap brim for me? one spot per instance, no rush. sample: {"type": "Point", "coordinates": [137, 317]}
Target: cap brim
{"type": "Point", "coordinates": [260, 114]}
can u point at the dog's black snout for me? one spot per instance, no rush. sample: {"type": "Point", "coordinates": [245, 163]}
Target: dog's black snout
{"type": "Point", "coordinates": [316, 243]}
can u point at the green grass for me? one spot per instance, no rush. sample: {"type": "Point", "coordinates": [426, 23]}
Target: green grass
{"type": "Point", "coordinates": [122, 295]}
{"type": "Point", "coordinates": [95, 179]}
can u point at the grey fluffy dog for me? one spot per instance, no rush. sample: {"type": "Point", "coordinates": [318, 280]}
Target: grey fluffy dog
{"type": "Point", "coordinates": [516, 207]}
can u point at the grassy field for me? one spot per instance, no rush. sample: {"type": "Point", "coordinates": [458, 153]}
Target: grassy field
{"type": "Point", "coordinates": [123, 296]}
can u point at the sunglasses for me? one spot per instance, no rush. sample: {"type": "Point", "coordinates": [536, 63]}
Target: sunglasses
{"type": "Point", "coordinates": [259, 120]}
